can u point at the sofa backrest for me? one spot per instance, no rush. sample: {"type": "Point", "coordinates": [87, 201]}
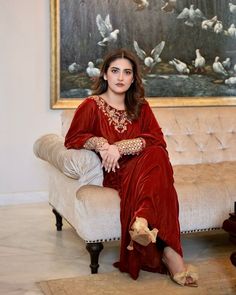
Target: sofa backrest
{"type": "Point", "coordinates": [193, 134]}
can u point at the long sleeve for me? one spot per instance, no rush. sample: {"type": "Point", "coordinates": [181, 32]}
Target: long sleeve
{"type": "Point", "coordinates": [150, 129]}
{"type": "Point", "coordinates": [82, 125]}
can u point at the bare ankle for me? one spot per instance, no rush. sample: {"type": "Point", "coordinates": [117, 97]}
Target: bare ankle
{"type": "Point", "coordinates": [173, 260]}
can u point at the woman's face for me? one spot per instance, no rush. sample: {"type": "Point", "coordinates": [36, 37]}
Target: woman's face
{"type": "Point", "coordinates": [119, 75]}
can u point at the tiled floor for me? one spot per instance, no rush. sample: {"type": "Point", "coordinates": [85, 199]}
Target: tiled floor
{"type": "Point", "coordinates": [32, 250]}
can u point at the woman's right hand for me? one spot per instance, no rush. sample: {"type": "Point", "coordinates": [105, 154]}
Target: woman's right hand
{"type": "Point", "coordinates": [110, 156]}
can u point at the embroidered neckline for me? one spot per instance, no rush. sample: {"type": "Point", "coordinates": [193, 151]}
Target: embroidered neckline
{"type": "Point", "coordinates": [117, 118]}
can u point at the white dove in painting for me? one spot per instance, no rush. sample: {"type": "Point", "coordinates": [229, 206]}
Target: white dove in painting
{"type": "Point", "coordinates": [199, 62]}
{"type": "Point", "coordinates": [150, 60]}
{"type": "Point", "coordinates": [218, 27]}
{"type": "Point", "coordinates": [231, 31]}
{"type": "Point", "coordinates": [231, 81]}
{"type": "Point", "coordinates": [106, 30]}
{"type": "Point", "coordinates": [192, 16]}
{"type": "Point", "coordinates": [169, 6]}
{"type": "Point", "coordinates": [180, 66]}
{"type": "Point", "coordinates": [227, 63]}
{"type": "Point", "coordinates": [234, 68]}
{"type": "Point", "coordinates": [209, 23]}
{"type": "Point", "coordinates": [232, 8]}
{"type": "Point", "coordinates": [91, 71]}
{"type": "Point", "coordinates": [141, 4]}
{"type": "Point", "coordinates": [74, 68]}
{"type": "Point", "coordinates": [218, 67]}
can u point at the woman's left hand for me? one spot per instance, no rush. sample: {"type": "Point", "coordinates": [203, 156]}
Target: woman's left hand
{"type": "Point", "coordinates": [110, 158]}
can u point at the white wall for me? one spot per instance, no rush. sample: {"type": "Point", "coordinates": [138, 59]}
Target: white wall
{"type": "Point", "coordinates": [24, 94]}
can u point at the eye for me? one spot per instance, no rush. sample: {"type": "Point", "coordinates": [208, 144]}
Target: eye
{"type": "Point", "coordinates": [128, 72]}
{"type": "Point", "coordinates": [114, 70]}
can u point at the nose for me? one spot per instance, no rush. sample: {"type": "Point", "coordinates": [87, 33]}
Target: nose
{"type": "Point", "coordinates": [120, 76]}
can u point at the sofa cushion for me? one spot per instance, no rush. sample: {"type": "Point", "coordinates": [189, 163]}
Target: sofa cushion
{"type": "Point", "coordinates": [97, 213]}
{"type": "Point", "coordinates": [206, 195]}
{"type": "Point", "coordinates": [73, 163]}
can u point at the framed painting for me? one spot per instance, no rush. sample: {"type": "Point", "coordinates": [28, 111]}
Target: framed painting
{"type": "Point", "coordinates": [186, 48]}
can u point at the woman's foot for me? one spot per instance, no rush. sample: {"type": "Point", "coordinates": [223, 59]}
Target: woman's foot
{"type": "Point", "coordinates": [184, 275]}
{"type": "Point", "coordinates": [141, 234]}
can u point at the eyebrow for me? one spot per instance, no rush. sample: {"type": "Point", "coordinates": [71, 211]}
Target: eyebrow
{"type": "Point", "coordinates": [116, 68]}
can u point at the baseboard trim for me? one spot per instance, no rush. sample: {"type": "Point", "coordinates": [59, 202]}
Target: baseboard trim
{"type": "Point", "coordinates": [23, 198]}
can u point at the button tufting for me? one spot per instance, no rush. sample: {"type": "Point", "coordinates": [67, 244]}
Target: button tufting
{"type": "Point", "coordinates": [180, 150]}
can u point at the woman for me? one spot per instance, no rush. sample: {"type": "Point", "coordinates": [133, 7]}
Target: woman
{"type": "Point", "coordinates": [118, 124]}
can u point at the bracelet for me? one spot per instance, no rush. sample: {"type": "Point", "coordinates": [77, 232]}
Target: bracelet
{"type": "Point", "coordinates": [95, 143]}
{"type": "Point", "coordinates": [131, 146]}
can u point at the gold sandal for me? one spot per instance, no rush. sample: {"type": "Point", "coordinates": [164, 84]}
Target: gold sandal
{"type": "Point", "coordinates": [181, 278]}
{"type": "Point", "coordinates": [141, 234]}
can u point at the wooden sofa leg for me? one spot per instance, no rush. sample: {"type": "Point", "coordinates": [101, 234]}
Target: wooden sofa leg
{"type": "Point", "coordinates": [94, 250]}
{"type": "Point", "coordinates": [59, 223]}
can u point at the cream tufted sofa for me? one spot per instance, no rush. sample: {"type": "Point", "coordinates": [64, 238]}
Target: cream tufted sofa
{"type": "Point", "coordinates": [202, 146]}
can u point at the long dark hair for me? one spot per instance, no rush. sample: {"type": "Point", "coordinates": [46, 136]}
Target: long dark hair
{"type": "Point", "coordinates": [134, 96]}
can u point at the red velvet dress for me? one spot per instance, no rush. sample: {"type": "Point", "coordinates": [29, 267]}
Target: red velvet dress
{"type": "Point", "coordinates": [144, 181]}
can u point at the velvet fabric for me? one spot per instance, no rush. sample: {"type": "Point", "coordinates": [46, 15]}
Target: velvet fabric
{"type": "Point", "coordinates": [144, 181]}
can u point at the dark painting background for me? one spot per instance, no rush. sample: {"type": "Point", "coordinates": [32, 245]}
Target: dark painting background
{"type": "Point", "coordinates": [79, 36]}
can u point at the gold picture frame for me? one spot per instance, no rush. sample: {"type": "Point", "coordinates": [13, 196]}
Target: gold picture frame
{"type": "Point", "coordinates": [58, 101]}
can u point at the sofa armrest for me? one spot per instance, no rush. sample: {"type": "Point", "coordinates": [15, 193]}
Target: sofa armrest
{"type": "Point", "coordinates": [71, 162]}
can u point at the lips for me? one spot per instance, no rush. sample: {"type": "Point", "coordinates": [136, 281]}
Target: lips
{"type": "Point", "coordinates": [120, 84]}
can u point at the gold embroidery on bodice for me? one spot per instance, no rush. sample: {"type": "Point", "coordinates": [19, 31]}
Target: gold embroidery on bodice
{"type": "Point", "coordinates": [117, 118]}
